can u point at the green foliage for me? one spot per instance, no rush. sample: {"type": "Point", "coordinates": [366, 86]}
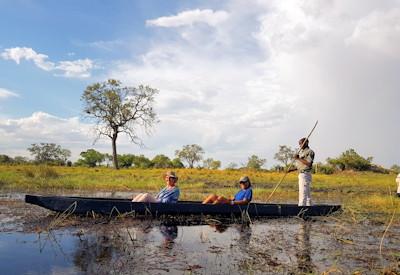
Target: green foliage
{"type": "Point", "coordinates": [191, 154]}
{"type": "Point", "coordinates": [49, 153]}
{"type": "Point", "coordinates": [20, 160]}
{"type": "Point", "coordinates": [211, 164]}
{"type": "Point", "coordinates": [142, 162]}
{"type": "Point", "coordinates": [4, 159]}
{"type": "Point", "coordinates": [126, 160]}
{"type": "Point", "coordinates": [162, 161]}
{"type": "Point", "coordinates": [284, 155]}
{"type": "Point", "coordinates": [351, 160]}
{"type": "Point", "coordinates": [90, 158]}
{"type": "Point", "coordinates": [231, 166]}
{"type": "Point", "coordinates": [117, 109]}
{"type": "Point", "coordinates": [255, 162]}
{"type": "Point", "coordinates": [323, 168]}
{"type": "Point", "coordinates": [177, 163]}
{"type": "Point", "coordinates": [395, 168]}
{"type": "Point", "coordinates": [277, 168]}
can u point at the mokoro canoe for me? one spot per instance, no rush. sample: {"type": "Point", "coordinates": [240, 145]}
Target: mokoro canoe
{"type": "Point", "coordinates": [113, 206]}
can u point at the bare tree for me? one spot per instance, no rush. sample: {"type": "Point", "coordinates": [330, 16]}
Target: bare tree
{"type": "Point", "coordinates": [116, 109]}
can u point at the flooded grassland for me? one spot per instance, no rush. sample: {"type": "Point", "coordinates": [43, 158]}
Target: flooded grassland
{"type": "Point", "coordinates": [34, 241]}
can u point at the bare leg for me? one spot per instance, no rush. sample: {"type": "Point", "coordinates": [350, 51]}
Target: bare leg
{"type": "Point", "coordinates": [222, 200]}
{"type": "Point", "coordinates": [210, 199]}
{"type": "Point", "coordinates": [146, 197]}
{"type": "Point", "coordinates": [137, 197]}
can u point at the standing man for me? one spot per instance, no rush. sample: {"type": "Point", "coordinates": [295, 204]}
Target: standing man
{"type": "Point", "coordinates": [304, 161]}
{"type": "Point", "coordinates": [398, 184]}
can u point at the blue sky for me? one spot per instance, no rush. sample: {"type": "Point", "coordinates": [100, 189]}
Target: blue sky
{"type": "Point", "coordinates": [70, 30]}
{"type": "Point", "coordinates": [236, 77]}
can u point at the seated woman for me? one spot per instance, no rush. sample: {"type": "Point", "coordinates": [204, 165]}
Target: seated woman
{"type": "Point", "coordinates": [244, 196]}
{"type": "Point", "coordinates": [169, 194]}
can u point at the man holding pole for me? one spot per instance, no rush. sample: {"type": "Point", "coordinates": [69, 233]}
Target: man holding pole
{"type": "Point", "coordinates": [303, 161]}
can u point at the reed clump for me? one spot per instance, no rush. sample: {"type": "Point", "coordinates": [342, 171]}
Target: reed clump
{"type": "Point", "coordinates": [42, 171]}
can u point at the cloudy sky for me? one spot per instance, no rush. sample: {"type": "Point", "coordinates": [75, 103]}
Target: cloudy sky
{"type": "Point", "coordinates": [237, 77]}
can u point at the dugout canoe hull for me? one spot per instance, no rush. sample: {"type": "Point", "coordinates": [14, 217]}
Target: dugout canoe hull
{"type": "Point", "coordinates": [112, 206]}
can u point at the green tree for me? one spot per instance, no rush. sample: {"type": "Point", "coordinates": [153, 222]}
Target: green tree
{"type": "Point", "coordinates": [49, 153]}
{"type": "Point", "coordinates": [177, 163]}
{"type": "Point", "coordinates": [4, 159]}
{"type": "Point", "coordinates": [284, 155]}
{"type": "Point", "coordinates": [395, 168]}
{"type": "Point", "coordinates": [126, 160]}
{"type": "Point", "coordinates": [116, 109]}
{"type": "Point", "coordinates": [20, 160]}
{"type": "Point", "coordinates": [351, 160]}
{"type": "Point", "coordinates": [211, 164]}
{"type": "Point", "coordinates": [142, 162]}
{"type": "Point", "coordinates": [162, 161]}
{"type": "Point", "coordinates": [232, 166]}
{"type": "Point", "coordinates": [90, 158]}
{"type": "Point", "coordinates": [255, 162]}
{"type": "Point", "coordinates": [190, 154]}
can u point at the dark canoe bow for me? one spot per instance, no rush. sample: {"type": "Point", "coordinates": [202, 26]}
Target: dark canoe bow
{"type": "Point", "coordinates": [113, 206]}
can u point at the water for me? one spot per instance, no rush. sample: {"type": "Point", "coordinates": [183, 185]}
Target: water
{"type": "Point", "coordinates": [129, 246]}
{"type": "Point", "coordinates": [156, 249]}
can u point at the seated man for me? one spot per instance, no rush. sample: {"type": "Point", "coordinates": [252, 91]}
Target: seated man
{"type": "Point", "coordinates": [169, 194]}
{"type": "Point", "coordinates": [242, 197]}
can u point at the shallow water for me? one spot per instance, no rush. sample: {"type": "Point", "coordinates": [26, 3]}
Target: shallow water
{"type": "Point", "coordinates": [31, 244]}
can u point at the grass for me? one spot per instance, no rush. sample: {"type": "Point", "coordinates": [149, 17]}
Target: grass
{"type": "Point", "coordinates": [366, 193]}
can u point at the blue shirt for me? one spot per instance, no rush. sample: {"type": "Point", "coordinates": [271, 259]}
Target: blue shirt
{"type": "Point", "coordinates": [246, 194]}
{"type": "Point", "coordinates": [168, 195]}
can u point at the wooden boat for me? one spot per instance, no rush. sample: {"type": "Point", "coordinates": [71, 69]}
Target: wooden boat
{"type": "Point", "coordinates": [113, 206]}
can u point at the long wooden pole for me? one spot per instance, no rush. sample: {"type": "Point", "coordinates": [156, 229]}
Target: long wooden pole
{"type": "Point", "coordinates": [291, 163]}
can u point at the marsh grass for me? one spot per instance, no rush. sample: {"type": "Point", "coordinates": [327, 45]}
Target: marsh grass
{"type": "Point", "coordinates": [367, 194]}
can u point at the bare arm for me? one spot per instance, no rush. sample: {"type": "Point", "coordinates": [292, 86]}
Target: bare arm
{"type": "Point", "coordinates": [305, 162]}
{"type": "Point", "coordinates": [242, 202]}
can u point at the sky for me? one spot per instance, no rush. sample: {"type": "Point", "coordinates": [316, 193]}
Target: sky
{"type": "Point", "coordinates": [237, 77]}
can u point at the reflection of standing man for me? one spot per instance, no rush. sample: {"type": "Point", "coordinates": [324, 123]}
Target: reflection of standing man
{"type": "Point", "coordinates": [304, 261]}
{"type": "Point", "coordinates": [398, 184]}
{"type": "Point", "coordinates": [304, 160]}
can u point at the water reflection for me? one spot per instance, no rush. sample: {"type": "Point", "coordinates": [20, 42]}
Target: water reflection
{"type": "Point", "coordinates": [92, 250]}
{"type": "Point", "coordinates": [126, 248]}
{"type": "Point", "coordinates": [304, 261]}
{"type": "Point", "coordinates": [169, 232]}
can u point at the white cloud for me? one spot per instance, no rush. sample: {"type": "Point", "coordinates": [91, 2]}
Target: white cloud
{"type": "Point", "coordinates": [29, 54]}
{"type": "Point", "coordinates": [189, 18]}
{"type": "Point", "coordinates": [108, 45]}
{"type": "Point", "coordinates": [76, 68]}
{"type": "Point", "coordinates": [379, 31]}
{"type": "Point", "coordinates": [80, 68]}
{"type": "Point", "coordinates": [17, 134]}
{"type": "Point", "coordinates": [268, 72]}
{"type": "Point", "coordinates": [259, 76]}
{"type": "Point", "coordinates": [4, 93]}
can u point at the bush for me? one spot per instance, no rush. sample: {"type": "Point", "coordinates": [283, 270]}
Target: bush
{"type": "Point", "coordinates": [323, 169]}
{"type": "Point", "coordinates": [28, 172]}
{"type": "Point", "coordinates": [351, 160]}
{"type": "Point", "coordinates": [45, 172]}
